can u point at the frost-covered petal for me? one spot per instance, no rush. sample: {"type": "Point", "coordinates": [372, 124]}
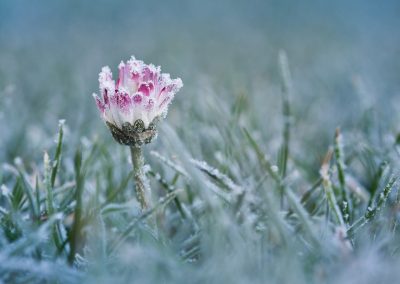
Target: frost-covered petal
{"type": "Point", "coordinates": [137, 99]}
{"type": "Point", "coordinates": [99, 103]}
{"type": "Point", "coordinates": [106, 99]}
{"type": "Point", "coordinates": [123, 102]}
{"type": "Point", "coordinates": [146, 88]}
{"type": "Point", "coordinates": [106, 83]}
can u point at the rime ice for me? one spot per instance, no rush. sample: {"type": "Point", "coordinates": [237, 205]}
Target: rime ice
{"type": "Point", "coordinates": [141, 94]}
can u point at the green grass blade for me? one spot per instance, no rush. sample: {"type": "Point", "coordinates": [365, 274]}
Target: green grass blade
{"type": "Point", "coordinates": [47, 183]}
{"type": "Point", "coordinates": [30, 194]}
{"type": "Point", "coordinates": [146, 214]}
{"type": "Point", "coordinates": [293, 200]}
{"type": "Point", "coordinates": [370, 213]}
{"type": "Point", "coordinates": [286, 91]}
{"type": "Point", "coordinates": [57, 157]}
{"type": "Point", "coordinates": [340, 165]}
{"type": "Point", "coordinates": [327, 185]}
{"type": "Point", "coordinates": [75, 234]}
{"type": "Point", "coordinates": [169, 188]}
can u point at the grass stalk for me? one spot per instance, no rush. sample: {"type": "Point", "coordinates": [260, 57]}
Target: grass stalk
{"type": "Point", "coordinates": [371, 212]}
{"type": "Point", "coordinates": [340, 165]}
{"type": "Point", "coordinates": [139, 176]}
{"type": "Point", "coordinates": [293, 201]}
{"type": "Point", "coordinates": [145, 215]}
{"type": "Point", "coordinates": [327, 185]}
{"type": "Point", "coordinates": [75, 234]}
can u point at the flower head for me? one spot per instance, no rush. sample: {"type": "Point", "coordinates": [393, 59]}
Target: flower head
{"type": "Point", "coordinates": [133, 104]}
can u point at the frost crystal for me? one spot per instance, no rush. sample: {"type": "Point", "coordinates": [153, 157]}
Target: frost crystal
{"type": "Point", "coordinates": [136, 101]}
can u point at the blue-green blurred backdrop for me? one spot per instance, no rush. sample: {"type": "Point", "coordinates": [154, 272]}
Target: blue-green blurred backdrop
{"type": "Point", "coordinates": [51, 53]}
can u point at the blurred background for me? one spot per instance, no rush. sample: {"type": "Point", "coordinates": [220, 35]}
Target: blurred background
{"type": "Point", "coordinates": [344, 58]}
{"type": "Point", "coordinates": [344, 61]}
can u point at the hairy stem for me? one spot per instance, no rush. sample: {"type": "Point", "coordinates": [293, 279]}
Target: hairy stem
{"type": "Point", "coordinates": [139, 176]}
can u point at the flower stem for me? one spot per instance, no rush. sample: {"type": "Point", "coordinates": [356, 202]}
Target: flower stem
{"type": "Point", "coordinates": [139, 176]}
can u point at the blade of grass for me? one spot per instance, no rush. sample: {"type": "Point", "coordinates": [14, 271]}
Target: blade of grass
{"type": "Point", "coordinates": [37, 193]}
{"type": "Point", "coordinates": [146, 214]}
{"type": "Point", "coordinates": [57, 157]}
{"type": "Point", "coordinates": [340, 165]}
{"type": "Point", "coordinates": [305, 197]}
{"type": "Point", "coordinates": [170, 163]}
{"type": "Point", "coordinates": [217, 175]}
{"type": "Point", "coordinates": [371, 212]}
{"type": "Point", "coordinates": [327, 185]}
{"type": "Point", "coordinates": [113, 194]}
{"type": "Point", "coordinates": [76, 226]}
{"type": "Point", "coordinates": [29, 193]}
{"type": "Point", "coordinates": [32, 239]}
{"type": "Point", "coordinates": [50, 199]}
{"type": "Point", "coordinates": [169, 188]}
{"type": "Point", "coordinates": [292, 198]}
{"type": "Point", "coordinates": [286, 91]}
{"type": "Point", "coordinates": [47, 183]}
{"type": "Point", "coordinates": [375, 182]}
{"type": "Point", "coordinates": [17, 197]}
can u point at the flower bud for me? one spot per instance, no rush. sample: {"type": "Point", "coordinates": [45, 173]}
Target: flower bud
{"type": "Point", "coordinates": [132, 106]}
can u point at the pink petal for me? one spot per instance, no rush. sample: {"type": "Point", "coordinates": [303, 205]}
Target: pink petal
{"type": "Point", "coordinates": [146, 74]}
{"type": "Point", "coordinates": [121, 74]}
{"type": "Point", "coordinates": [162, 92]}
{"type": "Point", "coordinates": [137, 99]}
{"type": "Point", "coordinates": [105, 75]}
{"type": "Point", "coordinates": [105, 97]}
{"type": "Point", "coordinates": [149, 104]}
{"type": "Point", "coordinates": [123, 101]}
{"type": "Point", "coordinates": [146, 88]}
{"type": "Point", "coordinates": [99, 103]}
{"type": "Point", "coordinates": [135, 76]}
{"type": "Point", "coordinates": [165, 101]}
{"type": "Point", "coordinates": [150, 72]}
